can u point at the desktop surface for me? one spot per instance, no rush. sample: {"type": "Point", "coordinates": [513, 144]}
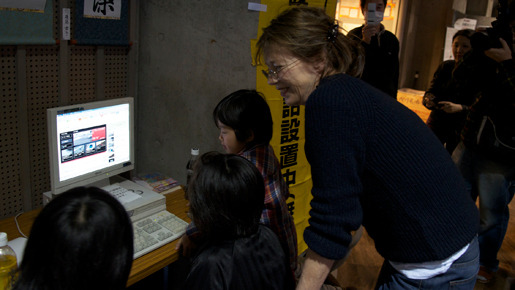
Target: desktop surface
{"type": "Point", "coordinates": [143, 266]}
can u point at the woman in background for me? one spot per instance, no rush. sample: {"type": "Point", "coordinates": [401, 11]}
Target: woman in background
{"type": "Point", "coordinates": [448, 106]}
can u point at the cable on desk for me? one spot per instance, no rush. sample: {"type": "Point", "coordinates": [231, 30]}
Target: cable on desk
{"type": "Point", "coordinates": [18, 226]}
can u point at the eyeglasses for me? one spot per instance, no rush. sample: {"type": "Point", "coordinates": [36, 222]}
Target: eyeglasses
{"type": "Point", "coordinates": [274, 73]}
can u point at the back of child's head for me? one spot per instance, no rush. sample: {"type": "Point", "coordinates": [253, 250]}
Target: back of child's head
{"type": "Point", "coordinates": [81, 240]}
{"type": "Point", "coordinates": [248, 114]}
{"type": "Point", "coordinates": [226, 196]}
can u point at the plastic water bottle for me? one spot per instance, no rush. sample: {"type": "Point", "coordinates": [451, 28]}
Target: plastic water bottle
{"type": "Point", "coordinates": [191, 163]}
{"type": "Point", "coordinates": [8, 264]}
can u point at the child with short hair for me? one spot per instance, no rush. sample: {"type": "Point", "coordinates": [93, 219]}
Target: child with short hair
{"type": "Point", "coordinates": [83, 239]}
{"type": "Point", "coordinates": [237, 252]}
{"type": "Point", "coordinates": [245, 124]}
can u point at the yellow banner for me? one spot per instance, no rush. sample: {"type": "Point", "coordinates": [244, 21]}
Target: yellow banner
{"type": "Point", "coordinates": [288, 140]}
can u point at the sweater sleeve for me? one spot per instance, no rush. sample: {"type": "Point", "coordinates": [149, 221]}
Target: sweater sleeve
{"type": "Point", "coordinates": [336, 154]}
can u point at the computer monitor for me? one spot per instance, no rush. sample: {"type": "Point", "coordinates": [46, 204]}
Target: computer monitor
{"type": "Point", "coordinates": [89, 143]}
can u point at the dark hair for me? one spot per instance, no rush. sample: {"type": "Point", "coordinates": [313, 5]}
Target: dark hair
{"type": "Point", "coordinates": [464, 32]}
{"type": "Point", "coordinates": [511, 11]}
{"type": "Point", "coordinates": [81, 240]}
{"type": "Point", "coordinates": [226, 196]}
{"type": "Point", "coordinates": [247, 113]}
{"type": "Point", "coordinates": [363, 2]}
{"type": "Point", "coordinates": [311, 35]}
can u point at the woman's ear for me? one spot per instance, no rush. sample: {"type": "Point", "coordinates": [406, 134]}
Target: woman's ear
{"type": "Point", "coordinates": [319, 66]}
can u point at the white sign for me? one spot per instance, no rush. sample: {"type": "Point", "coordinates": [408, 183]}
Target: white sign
{"type": "Point", "coordinates": [103, 8]}
{"type": "Point", "coordinates": [257, 7]}
{"type": "Point", "coordinates": [465, 23]}
{"type": "Point", "coordinates": [66, 23]}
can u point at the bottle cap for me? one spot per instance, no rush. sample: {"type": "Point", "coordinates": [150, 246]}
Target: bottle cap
{"type": "Point", "coordinates": [194, 151]}
{"type": "Point", "coordinates": [3, 239]}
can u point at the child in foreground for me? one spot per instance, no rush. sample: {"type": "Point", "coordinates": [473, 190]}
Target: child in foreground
{"type": "Point", "coordinates": [82, 240]}
{"type": "Point", "coordinates": [226, 200]}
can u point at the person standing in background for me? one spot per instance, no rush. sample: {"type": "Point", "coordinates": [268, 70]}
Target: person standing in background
{"type": "Point", "coordinates": [381, 49]}
{"type": "Point", "coordinates": [448, 107]}
{"type": "Point", "coordinates": [486, 154]}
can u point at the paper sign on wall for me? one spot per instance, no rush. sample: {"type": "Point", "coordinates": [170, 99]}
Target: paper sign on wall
{"type": "Point", "coordinates": [100, 29]}
{"type": "Point", "coordinates": [465, 23]}
{"type": "Point", "coordinates": [110, 9]}
{"type": "Point", "coordinates": [66, 23]}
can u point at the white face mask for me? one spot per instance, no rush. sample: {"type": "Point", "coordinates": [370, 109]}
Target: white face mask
{"type": "Point", "coordinates": [372, 16]}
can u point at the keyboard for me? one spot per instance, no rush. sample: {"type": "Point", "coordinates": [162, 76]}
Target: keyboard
{"type": "Point", "coordinates": [152, 231]}
{"type": "Point", "coordinates": [155, 231]}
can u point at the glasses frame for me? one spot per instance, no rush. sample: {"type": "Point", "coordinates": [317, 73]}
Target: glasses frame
{"type": "Point", "coordinates": [274, 73]}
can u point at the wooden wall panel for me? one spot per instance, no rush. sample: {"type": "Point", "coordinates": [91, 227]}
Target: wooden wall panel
{"type": "Point", "coordinates": [82, 74]}
{"type": "Point", "coordinates": [34, 78]}
{"type": "Point", "coordinates": [116, 72]}
{"type": "Point", "coordinates": [11, 199]}
{"type": "Point", "coordinates": [42, 93]}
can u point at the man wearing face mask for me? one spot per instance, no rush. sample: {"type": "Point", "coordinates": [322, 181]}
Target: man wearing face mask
{"type": "Point", "coordinates": [381, 48]}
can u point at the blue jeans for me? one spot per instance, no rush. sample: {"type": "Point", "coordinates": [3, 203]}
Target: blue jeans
{"type": "Point", "coordinates": [461, 274]}
{"type": "Point", "coordinates": [494, 183]}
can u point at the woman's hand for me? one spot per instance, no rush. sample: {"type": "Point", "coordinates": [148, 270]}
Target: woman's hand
{"type": "Point", "coordinates": [428, 101]}
{"type": "Point", "coordinates": [450, 107]}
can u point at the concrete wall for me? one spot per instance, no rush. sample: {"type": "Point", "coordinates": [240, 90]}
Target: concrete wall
{"type": "Point", "coordinates": [423, 41]}
{"type": "Point", "coordinates": [192, 53]}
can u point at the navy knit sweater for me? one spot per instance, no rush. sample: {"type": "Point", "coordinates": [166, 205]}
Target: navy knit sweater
{"type": "Point", "coordinates": [374, 162]}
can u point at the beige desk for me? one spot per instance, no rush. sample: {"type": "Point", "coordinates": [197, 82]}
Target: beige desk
{"type": "Point", "coordinates": [143, 266]}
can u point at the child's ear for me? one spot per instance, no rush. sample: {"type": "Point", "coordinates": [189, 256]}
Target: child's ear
{"type": "Point", "coordinates": [251, 137]}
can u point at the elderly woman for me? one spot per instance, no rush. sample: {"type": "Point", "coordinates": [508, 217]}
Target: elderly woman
{"type": "Point", "coordinates": [373, 162]}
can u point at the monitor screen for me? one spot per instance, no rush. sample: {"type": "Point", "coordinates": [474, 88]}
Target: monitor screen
{"type": "Point", "coordinates": [88, 143]}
